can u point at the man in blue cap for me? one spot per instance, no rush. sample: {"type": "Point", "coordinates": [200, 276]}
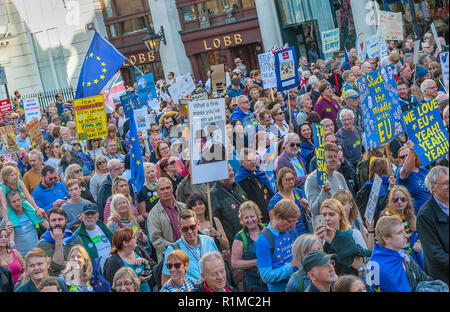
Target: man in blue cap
{"type": "Point", "coordinates": [319, 266]}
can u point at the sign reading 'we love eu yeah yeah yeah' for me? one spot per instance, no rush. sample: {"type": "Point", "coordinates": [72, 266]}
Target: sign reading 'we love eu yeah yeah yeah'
{"type": "Point", "coordinates": [427, 131]}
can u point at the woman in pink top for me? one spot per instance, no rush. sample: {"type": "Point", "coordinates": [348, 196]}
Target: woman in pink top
{"type": "Point", "coordinates": [163, 151]}
{"type": "Point", "coordinates": [10, 258]}
{"type": "Point", "coordinates": [120, 186]}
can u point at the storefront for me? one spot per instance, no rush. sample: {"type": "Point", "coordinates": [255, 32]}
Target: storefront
{"type": "Point", "coordinates": [140, 59]}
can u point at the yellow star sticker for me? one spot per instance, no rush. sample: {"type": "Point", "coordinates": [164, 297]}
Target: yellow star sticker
{"type": "Point", "coordinates": [104, 70]}
{"type": "Point", "coordinates": [102, 77]}
{"type": "Point", "coordinates": [89, 84]}
{"type": "Point", "coordinates": [95, 81]}
{"type": "Point", "coordinates": [98, 58]}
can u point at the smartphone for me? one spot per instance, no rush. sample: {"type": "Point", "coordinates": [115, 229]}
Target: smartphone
{"type": "Point", "coordinates": [319, 222]}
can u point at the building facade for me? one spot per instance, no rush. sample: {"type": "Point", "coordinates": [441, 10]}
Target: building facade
{"type": "Point", "coordinates": [43, 42]}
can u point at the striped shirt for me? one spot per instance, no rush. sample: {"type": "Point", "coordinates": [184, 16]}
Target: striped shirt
{"type": "Point", "coordinates": [187, 286]}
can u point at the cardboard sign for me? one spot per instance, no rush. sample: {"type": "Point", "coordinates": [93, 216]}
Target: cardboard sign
{"type": "Point", "coordinates": [32, 109]}
{"type": "Point", "coordinates": [444, 66]}
{"type": "Point", "coordinates": [425, 128]}
{"type": "Point", "coordinates": [146, 90]}
{"type": "Point", "coordinates": [416, 52]}
{"type": "Point", "coordinates": [390, 25]}
{"type": "Point", "coordinates": [207, 141]}
{"type": "Point", "coordinates": [142, 119]}
{"type": "Point", "coordinates": [436, 38]}
{"type": "Point", "coordinates": [380, 106]}
{"type": "Point", "coordinates": [182, 87]}
{"type": "Point", "coordinates": [199, 97]}
{"type": "Point", "coordinates": [286, 69]}
{"type": "Point", "coordinates": [34, 131]}
{"type": "Point", "coordinates": [320, 153]}
{"type": "Point", "coordinates": [5, 105]}
{"type": "Point", "coordinates": [9, 138]}
{"type": "Point", "coordinates": [90, 117]}
{"type": "Point", "coordinates": [373, 198]}
{"type": "Point", "coordinates": [267, 67]}
{"type": "Point", "coordinates": [218, 78]}
{"type": "Point", "coordinates": [330, 40]}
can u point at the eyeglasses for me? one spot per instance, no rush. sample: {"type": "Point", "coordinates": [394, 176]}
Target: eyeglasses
{"type": "Point", "coordinates": [173, 162]}
{"type": "Point", "coordinates": [187, 228]}
{"type": "Point", "coordinates": [48, 146]}
{"type": "Point", "coordinates": [445, 183]}
{"type": "Point", "coordinates": [77, 171]}
{"type": "Point", "coordinates": [401, 199]}
{"type": "Point", "coordinates": [175, 265]}
{"type": "Point", "coordinates": [294, 144]}
{"type": "Point", "coordinates": [51, 179]}
{"type": "Point", "coordinates": [126, 284]}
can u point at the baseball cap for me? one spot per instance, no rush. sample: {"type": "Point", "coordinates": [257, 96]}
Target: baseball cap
{"type": "Point", "coordinates": [316, 258]}
{"type": "Point", "coordinates": [351, 93]}
{"type": "Point", "coordinates": [90, 208]}
{"type": "Point", "coordinates": [421, 72]}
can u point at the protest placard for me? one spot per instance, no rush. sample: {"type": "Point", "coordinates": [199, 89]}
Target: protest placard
{"type": "Point", "coordinates": [5, 105]}
{"type": "Point", "coordinates": [267, 67]}
{"type": "Point", "coordinates": [380, 106]}
{"type": "Point", "coordinates": [9, 138]}
{"type": "Point", "coordinates": [34, 132]}
{"type": "Point", "coordinates": [218, 78]}
{"type": "Point", "coordinates": [199, 97]}
{"type": "Point", "coordinates": [373, 46]}
{"type": "Point", "coordinates": [416, 52]}
{"type": "Point", "coordinates": [330, 40]}
{"type": "Point", "coordinates": [146, 90]}
{"type": "Point", "coordinates": [90, 117]}
{"type": "Point", "coordinates": [436, 38]}
{"type": "Point", "coordinates": [390, 25]}
{"type": "Point", "coordinates": [361, 47]}
{"type": "Point", "coordinates": [427, 131]}
{"type": "Point", "coordinates": [319, 145]}
{"type": "Point", "coordinates": [142, 119]}
{"type": "Point", "coordinates": [286, 69]}
{"type": "Point", "coordinates": [373, 198]}
{"type": "Point", "coordinates": [182, 87]}
{"type": "Point", "coordinates": [383, 48]}
{"type": "Point", "coordinates": [32, 109]}
{"type": "Point", "coordinates": [207, 141]}
{"type": "Point", "coordinates": [444, 66]}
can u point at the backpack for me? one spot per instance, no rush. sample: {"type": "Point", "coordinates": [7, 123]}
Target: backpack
{"type": "Point", "coordinates": [301, 284]}
{"type": "Point", "coordinates": [432, 286]}
{"type": "Point", "coordinates": [269, 236]}
{"type": "Point", "coordinates": [244, 237]}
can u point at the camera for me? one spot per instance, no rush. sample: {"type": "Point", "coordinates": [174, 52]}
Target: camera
{"type": "Point", "coordinates": [147, 271]}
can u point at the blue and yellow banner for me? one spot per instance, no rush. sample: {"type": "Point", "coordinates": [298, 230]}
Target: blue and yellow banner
{"type": "Point", "coordinates": [380, 106]}
{"type": "Point", "coordinates": [319, 145]}
{"type": "Point", "coordinates": [427, 131]}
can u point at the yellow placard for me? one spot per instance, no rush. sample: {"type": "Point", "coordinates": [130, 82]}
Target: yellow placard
{"type": "Point", "coordinates": [90, 117]}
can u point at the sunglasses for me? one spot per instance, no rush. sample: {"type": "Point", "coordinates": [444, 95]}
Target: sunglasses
{"type": "Point", "coordinates": [75, 144]}
{"type": "Point", "coordinates": [280, 113]}
{"type": "Point", "coordinates": [403, 157]}
{"type": "Point", "coordinates": [56, 146]}
{"type": "Point", "coordinates": [77, 171]}
{"type": "Point", "coordinates": [401, 199]}
{"type": "Point", "coordinates": [187, 228]}
{"type": "Point", "coordinates": [175, 265]}
{"type": "Point", "coordinates": [101, 162]}
{"type": "Point", "coordinates": [295, 144]}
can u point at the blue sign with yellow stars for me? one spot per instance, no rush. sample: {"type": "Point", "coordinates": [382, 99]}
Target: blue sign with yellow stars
{"type": "Point", "coordinates": [101, 62]}
{"type": "Point", "coordinates": [427, 131]}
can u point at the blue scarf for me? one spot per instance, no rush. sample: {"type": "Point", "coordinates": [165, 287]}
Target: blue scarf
{"type": "Point", "coordinates": [243, 173]}
{"type": "Point", "coordinates": [68, 237]}
{"type": "Point", "coordinates": [384, 186]}
{"type": "Point", "coordinates": [86, 160]}
{"type": "Point", "coordinates": [392, 277]}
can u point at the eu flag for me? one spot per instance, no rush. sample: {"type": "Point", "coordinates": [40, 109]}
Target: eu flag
{"type": "Point", "coordinates": [129, 102]}
{"type": "Point", "coordinates": [102, 61]}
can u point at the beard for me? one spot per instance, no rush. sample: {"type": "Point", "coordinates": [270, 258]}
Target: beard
{"type": "Point", "coordinates": [62, 227]}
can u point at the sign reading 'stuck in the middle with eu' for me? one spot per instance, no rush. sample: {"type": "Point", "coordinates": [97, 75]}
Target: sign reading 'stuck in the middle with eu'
{"type": "Point", "coordinates": [427, 131]}
{"type": "Point", "coordinates": [380, 106]}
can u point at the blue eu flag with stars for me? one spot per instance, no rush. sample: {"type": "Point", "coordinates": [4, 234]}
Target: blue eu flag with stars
{"type": "Point", "coordinates": [129, 102]}
{"type": "Point", "coordinates": [102, 61]}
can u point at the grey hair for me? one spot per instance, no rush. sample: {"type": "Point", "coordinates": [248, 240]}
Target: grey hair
{"type": "Point", "coordinates": [38, 154]}
{"type": "Point", "coordinates": [241, 97]}
{"type": "Point", "coordinates": [301, 99]}
{"type": "Point", "coordinates": [111, 161]}
{"type": "Point", "coordinates": [302, 245]}
{"type": "Point", "coordinates": [408, 56]}
{"type": "Point", "coordinates": [312, 81]}
{"type": "Point", "coordinates": [346, 111]}
{"type": "Point", "coordinates": [291, 135]}
{"type": "Point", "coordinates": [430, 179]}
{"type": "Point", "coordinates": [127, 270]}
{"type": "Point", "coordinates": [208, 257]}
{"type": "Point", "coordinates": [424, 85]}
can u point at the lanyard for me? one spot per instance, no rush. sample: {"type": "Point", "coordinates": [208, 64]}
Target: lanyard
{"type": "Point", "coordinates": [173, 284]}
{"type": "Point", "coordinates": [192, 251]}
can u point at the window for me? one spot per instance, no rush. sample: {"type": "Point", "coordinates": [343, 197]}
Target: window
{"type": "Point", "coordinates": [188, 13]}
{"type": "Point", "coordinates": [126, 7]}
{"type": "Point", "coordinates": [108, 8]}
{"type": "Point", "coordinates": [132, 25]}
{"type": "Point", "coordinates": [113, 30]}
{"type": "Point", "coordinates": [248, 3]}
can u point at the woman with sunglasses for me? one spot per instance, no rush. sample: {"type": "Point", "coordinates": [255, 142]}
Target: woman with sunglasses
{"type": "Point", "coordinates": [75, 172]}
{"type": "Point", "coordinates": [74, 155]}
{"type": "Point", "coordinates": [168, 169]}
{"type": "Point", "coordinates": [125, 252]}
{"type": "Point", "coordinates": [54, 158]}
{"type": "Point", "coordinates": [94, 148]}
{"type": "Point", "coordinates": [279, 120]}
{"type": "Point", "coordinates": [177, 263]}
{"type": "Point", "coordinates": [400, 204]}
{"type": "Point", "coordinates": [101, 172]}
{"type": "Point", "coordinates": [45, 149]}
{"type": "Point", "coordinates": [162, 152]}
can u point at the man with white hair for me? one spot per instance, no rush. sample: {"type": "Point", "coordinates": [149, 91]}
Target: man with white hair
{"type": "Point", "coordinates": [356, 70]}
{"type": "Point", "coordinates": [366, 67]}
{"type": "Point", "coordinates": [432, 225]}
{"type": "Point", "coordinates": [351, 137]}
{"type": "Point", "coordinates": [429, 89]}
{"type": "Point", "coordinates": [214, 275]}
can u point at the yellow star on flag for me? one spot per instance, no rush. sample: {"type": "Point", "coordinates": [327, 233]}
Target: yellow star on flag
{"type": "Point", "coordinates": [95, 81]}
{"type": "Point", "coordinates": [91, 55]}
{"type": "Point", "coordinates": [133, 139]}
{"type": "Point", "coordinates": [131, 147]}
{"type": "Point", "coordinates": [83, 83]}
{"type": "Point", "coordinates": [103, 64]}
{"type": "Point", "coordinates": [102, 77]}
{"type": "Point", "coordinates": [132, 155]}
{"type": "Point", "coordinates": [104, 70]}
{"type": "Point", "coordinates": [138, 162]}
{"type": "Point", "coordinates": [89, 84]}
{"type": "Point", "coordinates": [98, 58]}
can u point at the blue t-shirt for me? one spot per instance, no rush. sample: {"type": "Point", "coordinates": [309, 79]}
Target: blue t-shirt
{"type": "Point", "coordinates": [275, 269]}
{"type": "Point", "coordinates": [299, 171]}
{"type": "Point", "coordinates": [300, 226]}
{"type": "Point", "coordinates": [25, 234]}
{"type": "Point", "coordinates": [415, 184]}
{"type": "Point", "coordinates": [206, 245]}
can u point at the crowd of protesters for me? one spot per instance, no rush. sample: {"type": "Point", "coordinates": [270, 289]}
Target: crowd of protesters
{"type": "Point", "coordinates": [72, 219]}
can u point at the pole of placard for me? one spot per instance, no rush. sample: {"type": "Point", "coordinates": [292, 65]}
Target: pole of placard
{"type": "Point", "coordinates": [208, 191]}
{"type": "Point", "coordinates": [388, 158]}
{"type": "Point", "coordinates": [271, 93]}
{"type": "Point", "coordinates": [136, 67]}
{"type": "Point", "coordinates": [289, 103]}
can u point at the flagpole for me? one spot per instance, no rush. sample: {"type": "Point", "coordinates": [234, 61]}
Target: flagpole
{"type": "Point", "coordinates": [208, 191]}
{"type": "Point", "coordinates": [135, 67]}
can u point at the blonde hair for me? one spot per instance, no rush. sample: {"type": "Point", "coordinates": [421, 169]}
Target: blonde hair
{"type": "Point", "coordinates": [127, 270]}
{"type": "Point", "coordinates": [336, 206]}
{"type": "Point", "coordinates": [302, 245]}
{"type": "Point", "coordinates": [249, 206]}
{"type": "Point", "coordinates": [6, 172]}
{"type": "Point", "coordinates": [409, 210]}
{"type": "Point", "coordinates": [285, 209]}
{"type": "Point", "coordinates": [384, 227]}
{"type": "Point", "coordinates": [86, 270]}
{"type": "Point", "coordinates": [115, 214]}
{"type": "Point", "coordinates": [68, 174]}
{"type": "Point", "coordinates": [345, 196]}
